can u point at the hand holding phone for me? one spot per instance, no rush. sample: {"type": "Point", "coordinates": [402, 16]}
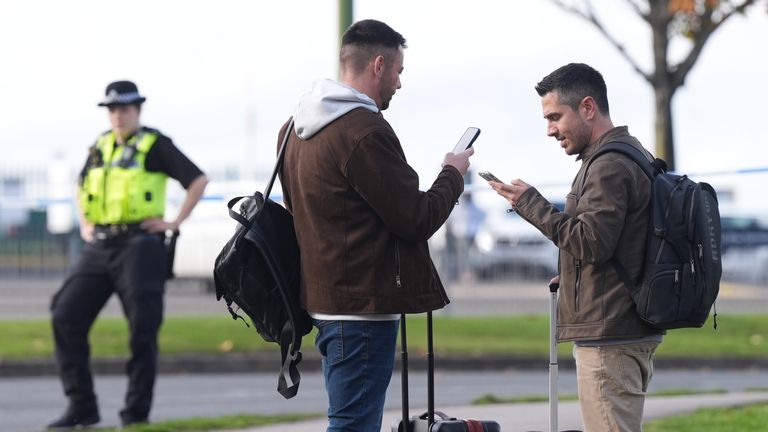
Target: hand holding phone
{"type": "Point", "coordinates": [489, 177]}
{"type": "Point", "coordinates": [466, 141]}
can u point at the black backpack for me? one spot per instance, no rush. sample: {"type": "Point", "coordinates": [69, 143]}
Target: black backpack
{"type": "Point", "coordinates": [259, 271]}
{"type": "Point", "coordinates": [681, 274]}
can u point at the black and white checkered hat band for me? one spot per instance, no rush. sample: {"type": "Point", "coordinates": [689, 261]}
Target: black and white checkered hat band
{"type": "Point", "coordinates": [121, 98]}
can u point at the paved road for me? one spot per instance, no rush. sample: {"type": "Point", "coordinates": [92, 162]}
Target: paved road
{"type": "Point", "coordinates": [27, 404]}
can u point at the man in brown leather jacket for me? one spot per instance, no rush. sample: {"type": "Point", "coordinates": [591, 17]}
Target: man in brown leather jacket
{"type": "Point", "coordinates": [606, 214]}
{"type": "Point", "coordinates": [362, 223]}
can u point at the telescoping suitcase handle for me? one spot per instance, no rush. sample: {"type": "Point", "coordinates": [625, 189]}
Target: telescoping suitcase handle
{"type": "Point", "coordinates": [404, 374]}
{"type": "Point", "coordinates": [430, 373]}
{"type": "Point", "coordinates": [553, 367]}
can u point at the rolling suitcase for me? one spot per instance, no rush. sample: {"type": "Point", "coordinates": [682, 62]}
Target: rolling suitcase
{"type": "Point", "coordinates": [431, 421]}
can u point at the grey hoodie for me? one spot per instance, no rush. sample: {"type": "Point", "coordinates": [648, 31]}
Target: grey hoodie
{"type": "Point", "coordinates": [327, 101]}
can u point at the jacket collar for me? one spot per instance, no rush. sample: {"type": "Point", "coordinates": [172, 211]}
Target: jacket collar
{"type": "Point", "coordinates": [614, 134]}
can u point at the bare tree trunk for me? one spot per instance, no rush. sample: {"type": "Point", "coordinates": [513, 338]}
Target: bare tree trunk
{"type": "Point", "coordinates": [663, 82]}
{"type": "Point", "coordinates": [699, 19]}
{"type": "Point", "coordinates": [665, 144]}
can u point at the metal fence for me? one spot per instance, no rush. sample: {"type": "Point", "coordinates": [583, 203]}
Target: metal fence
{"type": "Point", "coordinates": [28, 248]}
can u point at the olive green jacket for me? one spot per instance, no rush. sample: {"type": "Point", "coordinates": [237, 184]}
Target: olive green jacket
{"type": "Point", "coordinates": [606, 214]}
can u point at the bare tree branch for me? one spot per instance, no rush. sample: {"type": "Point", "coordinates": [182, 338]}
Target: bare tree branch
{"type": "Point", "coordinates": [681, 70]}
{"type": "Point", "coordinates": [738, 9]}
{"type": "Point", "coordinates": [570, 9]}
{"type": "Point", "coordinates": [639, 10]}
{"type": "Point", "coordinates": [590, 16]}
{"type": "Point", "coordinates": [666, 20]}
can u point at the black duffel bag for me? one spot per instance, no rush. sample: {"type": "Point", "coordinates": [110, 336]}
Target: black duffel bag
{"type": "Point", "coordinates": [258, 271]}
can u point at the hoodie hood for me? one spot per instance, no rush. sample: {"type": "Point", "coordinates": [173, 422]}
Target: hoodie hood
{"type": "Point", "coordinates": [327, 101]}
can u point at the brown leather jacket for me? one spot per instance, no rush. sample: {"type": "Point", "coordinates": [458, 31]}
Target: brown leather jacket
{"type": "Point", "coordinates": [361, 221]}
{"type": "Point", "coordinates": [606, 213]}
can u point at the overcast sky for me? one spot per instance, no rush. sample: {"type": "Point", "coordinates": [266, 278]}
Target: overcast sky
{"type": "Point", "coordinates": [221, 77]}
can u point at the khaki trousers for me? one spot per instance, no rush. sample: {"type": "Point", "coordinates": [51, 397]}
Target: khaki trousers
{"type": "Point", "coordinates": [612, 381]}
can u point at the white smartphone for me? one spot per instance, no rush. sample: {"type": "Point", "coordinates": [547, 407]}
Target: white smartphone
{"type": "Point", "coordinates": [469, 137]}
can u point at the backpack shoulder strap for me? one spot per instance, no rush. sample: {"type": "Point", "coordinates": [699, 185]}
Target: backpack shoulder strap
{"type": "Point", "coordinates": [629, 151]}
{"type": "Point", "coordinates": [650, 170]}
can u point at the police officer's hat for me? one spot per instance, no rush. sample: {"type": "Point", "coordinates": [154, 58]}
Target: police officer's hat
{"type": "Point", "coordinates": [121, 93]}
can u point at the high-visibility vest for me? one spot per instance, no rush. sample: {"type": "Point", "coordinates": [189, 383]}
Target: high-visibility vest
{"type": "Point", "coordinates": [116, 187]}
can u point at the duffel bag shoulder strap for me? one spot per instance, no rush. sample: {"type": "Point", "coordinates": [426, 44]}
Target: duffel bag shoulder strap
{"type": "Point", "coordinates": [290, 340]}
{"type": "Point", "coordinates": [257, 196]}
{"type": "Point", "coordinates": [280, 158]}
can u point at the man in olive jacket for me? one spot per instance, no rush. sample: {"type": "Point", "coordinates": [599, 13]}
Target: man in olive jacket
{"type": "Point", "coordinates": [362, 223]}
{"type": "Point", "coordinates": [606, 214]}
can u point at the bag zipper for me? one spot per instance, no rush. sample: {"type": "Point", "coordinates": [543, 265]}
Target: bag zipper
{"type": "Point", "coordinates": [398, 282]}
{"type": "Point", "coordinates": [677, 290]}
{"type": "Point", "coordinates": [578, 285]}
{"type": "Point", "coordinates": [693, 264]}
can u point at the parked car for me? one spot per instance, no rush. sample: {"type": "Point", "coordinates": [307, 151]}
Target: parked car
{"type": "Point", "coordinates": [745, 248]}
{"type": "Point", "coordinates": [743, 231]}
{"type": "Point", "coordinates": [507, 244]}
{"type": "Point", "coordinates": [746, 264]}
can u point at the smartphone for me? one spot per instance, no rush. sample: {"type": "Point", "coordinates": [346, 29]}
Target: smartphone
{"type": "Point", "coordinates": [489, 177]}
{"type": "Point", "coordinates": [469, 137]}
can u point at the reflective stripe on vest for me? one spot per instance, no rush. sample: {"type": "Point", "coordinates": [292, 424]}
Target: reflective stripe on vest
{"type": "Point", "coordinates": [117, 188]}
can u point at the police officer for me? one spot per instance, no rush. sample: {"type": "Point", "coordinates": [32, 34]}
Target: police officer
{"type": "Point", "coordinates": [121, 202]}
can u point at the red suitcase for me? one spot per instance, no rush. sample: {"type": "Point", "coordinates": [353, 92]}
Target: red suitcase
{"type": "Point", "coordinates": [432, 421]}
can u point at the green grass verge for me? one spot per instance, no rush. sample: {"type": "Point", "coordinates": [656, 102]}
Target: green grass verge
{"type": "Point", "coordinates": [686, 392]}
{"type": "Point", "coordinates": [753, 418]}
{"type": "Point", "coordinates": [523, 335]}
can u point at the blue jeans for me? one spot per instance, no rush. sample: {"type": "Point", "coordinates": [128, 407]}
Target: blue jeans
{"type": "Point", "coordinates": [358, 358]}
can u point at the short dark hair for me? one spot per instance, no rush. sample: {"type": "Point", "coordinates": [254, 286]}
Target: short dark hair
{"type": "Point", "coordinates": [365, 39]}
{"type": "Point", "coordinates": [573, 82]}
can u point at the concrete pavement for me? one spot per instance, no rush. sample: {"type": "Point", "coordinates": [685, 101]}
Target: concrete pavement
{"type": "Point", "coordinates": [535, 416]}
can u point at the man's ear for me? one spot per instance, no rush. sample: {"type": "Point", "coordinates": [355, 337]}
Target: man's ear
{"type": "Point", "coordinates": [378, 66]}
{"type": "Point", "coordinates": [588, 107]}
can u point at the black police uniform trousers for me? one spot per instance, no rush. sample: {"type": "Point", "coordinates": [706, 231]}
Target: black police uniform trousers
{"type": "Point", "coordinates": [134, 267]}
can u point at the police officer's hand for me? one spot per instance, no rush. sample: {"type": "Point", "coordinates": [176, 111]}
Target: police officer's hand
{"type": "Point", "coordinates": [157, 225]}
{"type": "Point", "coordinates": [460, 161]}
{"type": "Point", "coordinates": [86, 231]}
